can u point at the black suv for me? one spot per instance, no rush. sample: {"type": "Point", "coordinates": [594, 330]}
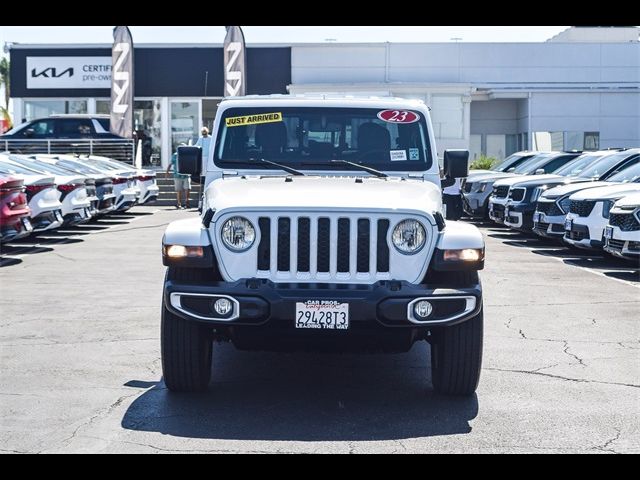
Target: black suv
{"type": "Point", "coordinates": [62, 127]}
{"type": "Point", "coordinates": [68, 134]}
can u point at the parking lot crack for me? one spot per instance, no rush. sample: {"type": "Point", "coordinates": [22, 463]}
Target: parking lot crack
{"type": "Point", "coordinates": [101, 414]}
{"type": "Point", "coordinates": [560, 377]}
{"type": "Point", "coordinates": [606, 446]}
{"type": "Point", "coordinates": [572, 355]}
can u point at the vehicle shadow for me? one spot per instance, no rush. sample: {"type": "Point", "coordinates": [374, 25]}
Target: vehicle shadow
{"type": "Point", "coordinates": [9, 262]}
{"type": "Point", "coordinates": [306, 397]}
{"type": "Point", "coordinates": [629, 276]}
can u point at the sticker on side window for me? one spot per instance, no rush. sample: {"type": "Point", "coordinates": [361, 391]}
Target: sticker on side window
{"type": "Point", "coordinates": [398, 155]}
{"type": "Point", "coordinates": [398, 116]}
{"type": "Point", "coordinates": [253, 119]}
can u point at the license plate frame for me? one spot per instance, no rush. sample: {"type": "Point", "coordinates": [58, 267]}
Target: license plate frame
{"type": "Point", "coordinates": [26, 224]}
{"type": "Point", "coordinates": [322, 315]}
{"type": "Point", "coordinates": [608, 233]}
{"type": "Point", "coordinates": [568, 224]}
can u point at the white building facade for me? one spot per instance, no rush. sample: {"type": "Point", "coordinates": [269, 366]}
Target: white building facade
{"type": "Point", "coordinates": [493, 98]}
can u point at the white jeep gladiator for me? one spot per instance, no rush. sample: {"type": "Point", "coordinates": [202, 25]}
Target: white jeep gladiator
{"type": "Point", "coordinates": [322, 229]}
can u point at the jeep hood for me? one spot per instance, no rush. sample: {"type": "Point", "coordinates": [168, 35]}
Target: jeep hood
{"type": "Point", "coordinates": [323, 193]}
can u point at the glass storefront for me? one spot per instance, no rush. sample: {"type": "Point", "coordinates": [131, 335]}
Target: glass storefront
{"type": "Point", "coordinates": [43, 108]}
{"type": "Point", "coordinates": [185, 123]}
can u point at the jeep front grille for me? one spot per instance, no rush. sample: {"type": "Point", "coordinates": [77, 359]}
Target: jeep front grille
{"type": "Point", "coordinates": [351, 257]}
{"type": "Point", "coordinates": [349, 247]}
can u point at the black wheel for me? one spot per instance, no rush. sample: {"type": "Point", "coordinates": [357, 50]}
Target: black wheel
{"type": "Point", "coordinates": [186, 346]}
{"type": "Point", "coordinates": [456, 357]}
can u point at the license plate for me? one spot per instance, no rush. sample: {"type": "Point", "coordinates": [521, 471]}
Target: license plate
{"type": "Point", "coordinates": [59, 216]}
{"type": "Point", "coordinates": [537, 217]}
{"type": "Point", "coordinates": [506, 212]}
{"type": "Point", "coordinates": [88, 213]}
{"type": "Point", "coordinates": [26, 223]}
{"type": "Point", "coordinates": [322, 314]}
{"type": "Point", "coordinates": [568, 224]}
{"type": "Point", "coordinates": [608, 232]}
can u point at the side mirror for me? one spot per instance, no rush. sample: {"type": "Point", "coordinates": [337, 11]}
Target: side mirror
{"type": "Point", "coordinates": [511, 170]}
{"type": "Point", "coordinates": [29, 132]}
{"type": "Point", "coordinates": [540, 171]}
{"type": "Point", "coordinates": [456, 163]}
{"type": "Point", "coordinates": [190, 161]}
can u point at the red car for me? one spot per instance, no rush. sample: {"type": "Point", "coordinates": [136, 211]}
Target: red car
{"type": "Point", "coordinates": [14, 210]}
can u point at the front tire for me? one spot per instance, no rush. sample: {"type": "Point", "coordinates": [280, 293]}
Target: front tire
{"type": "Point", "coordinates": [456, 357]}
{"type": "Point", "coordinates": [186, 346]}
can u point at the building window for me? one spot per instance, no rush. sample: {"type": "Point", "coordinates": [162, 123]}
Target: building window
{"type": "Point", "coordinates": [103, 107]}
{"type": "Point", "coordinates": [591, 140]}
{"type": "Point", "coordinates": [184, 123]}
{"type": "Point", "coordinates": [447, 116]}
{"type": "Point", "coordinates": [147, 117]}
{"type": "Point", "coordinates": [43, 108]}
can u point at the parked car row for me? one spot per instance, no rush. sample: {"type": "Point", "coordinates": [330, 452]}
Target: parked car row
{"type": "Point", "coordinates": [45, 192]}
{"type": "Point", "coordinates": [589, 200]}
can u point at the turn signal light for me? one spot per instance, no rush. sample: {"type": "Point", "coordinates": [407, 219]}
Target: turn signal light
{"type": "Point", "coordinates": [464, 255]}
{"type": "Point", "coordinates": [180, 251]}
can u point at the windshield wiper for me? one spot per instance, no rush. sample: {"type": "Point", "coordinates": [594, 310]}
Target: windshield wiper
{"type": "Point", "coordinates": [290, 170]}
{"type": "Point", "coordinates": [370, 170]}
{"type": "Point", "coordinates": [287, 169]}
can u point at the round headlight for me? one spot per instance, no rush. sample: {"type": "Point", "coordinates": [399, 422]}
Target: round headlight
{"type": "Point", "coordinates": [238, 234]}
{"type": "Point", "coordinates": [409, 236]}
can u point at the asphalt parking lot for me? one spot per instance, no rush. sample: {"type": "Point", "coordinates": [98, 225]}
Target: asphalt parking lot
{"type": "Point", "coordinates": [80, 361]}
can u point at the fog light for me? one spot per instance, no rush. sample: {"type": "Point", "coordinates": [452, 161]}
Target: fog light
{"type": "Point", "coordinates": [223, 306]}
{"type": "Point", "coordinates": [422, 309]}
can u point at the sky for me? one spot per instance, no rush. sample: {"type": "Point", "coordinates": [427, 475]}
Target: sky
{"type": "Point", "coordinates": [255, 34]}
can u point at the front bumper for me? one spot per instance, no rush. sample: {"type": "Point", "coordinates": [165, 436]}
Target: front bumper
{"type": "Point", "coordinates": [496, 210]}
{"type": "Point", "coordinates": [578, 236]}
{"type": "Point", "coordinates": [519, 216]}
{"type": "Point", "coordinates": [623, 244]}
{"type": "Point", "coordinates": [263, 303]}
{"type": "Point", "coordinates": [475, 204]}
{"type": "Point", "coordinates": [550, 227]}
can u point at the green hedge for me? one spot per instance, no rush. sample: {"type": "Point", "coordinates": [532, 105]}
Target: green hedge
{"type": "Point", "coordinates": [483, 163]}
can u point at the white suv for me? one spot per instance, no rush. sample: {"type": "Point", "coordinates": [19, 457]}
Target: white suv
{"type": "Point", "coordinates": [589, 212]}
{"type": "Point", "coordinates": [622, 233]}
{"type": "Point", "coordinates": [322, 229]}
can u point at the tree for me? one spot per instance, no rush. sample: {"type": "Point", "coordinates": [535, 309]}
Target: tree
{"type": "Point", "coordinates": [4, 80]}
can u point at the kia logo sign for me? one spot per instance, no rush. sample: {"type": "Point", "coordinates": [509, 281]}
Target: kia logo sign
{"type": "Point", "coordinates": [51, 72]}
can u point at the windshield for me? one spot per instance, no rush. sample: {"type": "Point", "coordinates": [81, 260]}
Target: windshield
{"type": "Point", "coordinates": [511, 161]}
{"type": "Point", "coordinates": [631, 174]}
{"type": "Point", "coordinates": [534, 163]}
{"type": "Point", "coordinates": [310, 137]}
{"type": "Point", "coordinates": [576, 166]}
{"type": "Point", "coordinates": [16, 129]}
{"type": "Point", "coordinates": [602, 166]}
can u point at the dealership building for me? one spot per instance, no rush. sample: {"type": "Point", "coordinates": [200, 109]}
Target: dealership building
{"type": "Point", "coordinates": [578, 90]}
